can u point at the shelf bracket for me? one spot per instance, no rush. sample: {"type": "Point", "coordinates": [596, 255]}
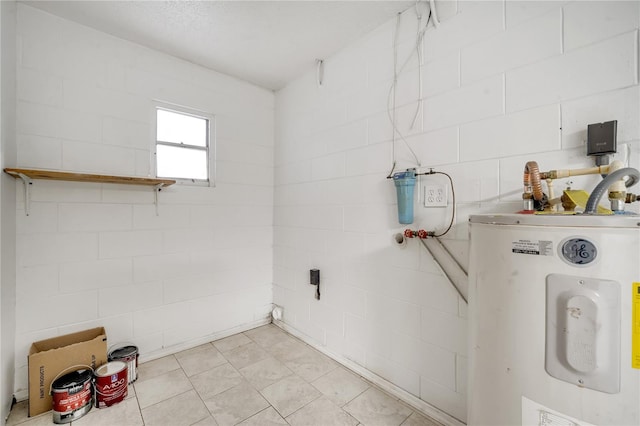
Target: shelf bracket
{"type": "Point", "coordinates": [26, 181]}
{"type": "Point", "coordinates": [156, 190]}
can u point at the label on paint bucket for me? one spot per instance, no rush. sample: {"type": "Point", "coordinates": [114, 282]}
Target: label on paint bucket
{"type": "Point", "coordinates": [129, 355]}
{"type": "Point", "coordinates": [72, 396]}
{"type": "Point", "coordinates": [111, 383]}
{"type": "Point", "coordinates": [534, 247]}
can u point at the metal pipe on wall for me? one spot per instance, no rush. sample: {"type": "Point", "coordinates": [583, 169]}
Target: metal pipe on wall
{"type": "Point", "coordinates": [449, 266]}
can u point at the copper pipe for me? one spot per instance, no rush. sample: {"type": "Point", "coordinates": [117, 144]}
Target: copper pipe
{"type": "Point", "coordinates": [531, 179]}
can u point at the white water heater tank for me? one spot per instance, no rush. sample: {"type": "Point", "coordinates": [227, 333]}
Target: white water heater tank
{"type": "Point", "coordinates": [552, 305]}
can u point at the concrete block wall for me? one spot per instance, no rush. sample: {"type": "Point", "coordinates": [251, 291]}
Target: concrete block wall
{"type": "Point", "coordinates": [8, 203]}
{"type": "Point", "coordinates": [96, 254]}
{"type": "Point", "coordinates": [504, 82]}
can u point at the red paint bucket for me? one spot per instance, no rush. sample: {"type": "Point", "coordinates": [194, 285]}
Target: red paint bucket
{"type": "Point", "coordinates": [129, 355]}
{"type": "Point", "coordinates": [72, 396]}
{"type": "Point", "coordinates": [111, 383]}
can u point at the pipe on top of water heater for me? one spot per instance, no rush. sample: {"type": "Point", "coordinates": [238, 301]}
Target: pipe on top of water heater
{"type": "Point", "coordinates": [616, 196]}
{"type": "Point", "coordinates": [614, 182]}
{"type": "Point", "coordinates": [532, 185]}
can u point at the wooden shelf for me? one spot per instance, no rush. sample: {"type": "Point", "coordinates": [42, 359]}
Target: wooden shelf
{"type": "Point", "coordinates": [26, 175]}
{"type": "Point", "coordinates": [87, 177]}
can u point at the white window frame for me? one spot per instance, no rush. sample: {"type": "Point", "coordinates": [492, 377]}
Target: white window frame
{"type": "Point", "coordinates": [210, 148]}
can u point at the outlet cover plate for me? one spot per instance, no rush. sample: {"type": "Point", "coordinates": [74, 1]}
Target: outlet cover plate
{"type": "Point", "coordinates": [435, 195]}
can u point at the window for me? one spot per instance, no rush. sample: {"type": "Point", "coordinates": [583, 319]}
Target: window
{"type": "Point", "coordinates": [183, 145]}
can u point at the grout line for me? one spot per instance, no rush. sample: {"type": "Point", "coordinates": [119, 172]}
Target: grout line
{"type": "Point", "coordinates": [504, 15]}
{"type": "Point", "coordinates": [561, 125]}
{"type": "Point", "coordinates": [261, 411]}
{"type": "Point", "coordinates": [562, 30]}
{"type": "Point", "coordinates": [504, 93]}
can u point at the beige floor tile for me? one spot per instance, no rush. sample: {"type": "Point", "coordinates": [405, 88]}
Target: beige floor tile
{"type": "Point", "coordinates": [340, 386]}
{"type": "Point", "coordinates": [289, 350]}
{"type": "Point", "coordinates": [231, 342]}
{"type": "Point", "coordinates": [125, 413]}
{"type": "Point", "coordinates": [265, 372]}
{"type": "Point", "coordinates": [236, 404]}
{"type": "Point", "coordinates": [40, 420]}
{"type": "Point", "coordinates": [162, 387]}
{"type": "Point", "coordinates": [245, 355]}
{"type": "Point", "coordinates": [216, 380]}
{"type": "Point", "coordinates": [181, 410]}
{"type": "Point", "coordinates": [266, 417]}
{"type": "Point", "coordinates": [199, 359]}
{"type": "Point", "coordinates": [290, 394]}
{"type": "Point", "coordinates": [20, 415]}
{"type": "Point", "coordinates": [267, 335]}
{"type": "Point", "coordinates": [321, 412]}
{"type": "Point", "coordinates": [208, 421]}
{"type": "Point", "coordinates": [151, 369]}
{"type": "Point", "coordinates": [131, 391]}
{"type": "Point", "coordinates": [311, 366]}
{"type": "Point", "coordinates": [374, 407]}
{"type": "Point", "coordinates": [416, 419]}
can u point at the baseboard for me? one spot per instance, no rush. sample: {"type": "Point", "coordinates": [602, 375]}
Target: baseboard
{"type": "Point", "coordinates": [409, 399]}
{"type": "Point", "coordinates": [21, 395]}
{"type": "Point", "coordinates": [202, 340]}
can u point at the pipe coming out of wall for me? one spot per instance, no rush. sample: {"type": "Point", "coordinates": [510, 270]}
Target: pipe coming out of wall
{"type": "Point", "coordinates": [449, 266]}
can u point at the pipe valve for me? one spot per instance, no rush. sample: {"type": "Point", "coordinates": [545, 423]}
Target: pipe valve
{"type": "Point", "coordinates": [421, 233]}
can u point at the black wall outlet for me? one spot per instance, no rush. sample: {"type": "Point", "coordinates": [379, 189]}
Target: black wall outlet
{"type": "Point", "coordinates": [601, 138]}
{"type": "Point", "coordinates": [314, 276]}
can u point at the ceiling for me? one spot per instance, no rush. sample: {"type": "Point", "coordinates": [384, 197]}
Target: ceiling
{"type": "Point", "coordinates": [268, 43]}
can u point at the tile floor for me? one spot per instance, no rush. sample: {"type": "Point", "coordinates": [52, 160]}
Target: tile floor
{"type": "Point", "coordinates": [260, 377]}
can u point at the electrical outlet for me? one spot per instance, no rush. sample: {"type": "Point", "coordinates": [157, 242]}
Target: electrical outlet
{"type": "Point", "coordinates": [435, 195]}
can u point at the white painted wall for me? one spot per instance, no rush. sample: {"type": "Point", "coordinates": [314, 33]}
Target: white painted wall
{"type": "Point", "coordinates": [503, 83]}
{"type": "Point", "coordinates": [97, 255]}
{"type": "Point", "coordinates": [7, 204]}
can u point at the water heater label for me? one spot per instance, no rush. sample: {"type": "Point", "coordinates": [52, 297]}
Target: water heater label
{"type": "Point", "coordinates": [535, 247]}
{"type": "Point", "coordinates": [534, 413]}
{"type": "Point", "coordinates": [635, 326]}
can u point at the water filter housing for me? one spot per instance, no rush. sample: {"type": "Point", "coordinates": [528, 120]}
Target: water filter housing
{"type": "Point", "coordinates": [551, 320]}
{"type": "Point", "coordinates": [405, 183]}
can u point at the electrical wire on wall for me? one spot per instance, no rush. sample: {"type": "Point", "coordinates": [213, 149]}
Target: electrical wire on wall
{"type": "Point", "coordinates": [391, 98]}
{"type": "Point", "coordinates": [417, 49]}
{"type": "Point", "coordinates": [319, 72]}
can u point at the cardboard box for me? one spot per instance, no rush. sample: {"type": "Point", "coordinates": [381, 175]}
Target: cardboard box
{"type": "Point", "coordinates": [48, 358]}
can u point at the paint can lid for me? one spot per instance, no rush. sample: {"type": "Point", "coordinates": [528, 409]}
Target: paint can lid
{"type": "Point", "coordinates": [70, 380]}
{"type": "Point", "coordinates": [123, 352]}
{"type": "Point", "coordinates": [110, 368]}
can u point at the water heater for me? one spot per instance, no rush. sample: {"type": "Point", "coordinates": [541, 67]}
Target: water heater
{"type": "Point", "coordinates": [553, 301]}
